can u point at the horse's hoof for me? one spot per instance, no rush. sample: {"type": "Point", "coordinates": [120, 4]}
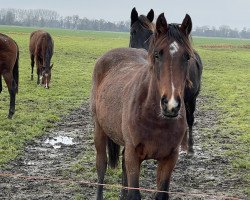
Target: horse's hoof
{"type": "Point", "coordinates": [11, 113]}
{"type": "Point", "coordinates": [190, 153]}
{"type": "Point", "coordinates": [10, 116]}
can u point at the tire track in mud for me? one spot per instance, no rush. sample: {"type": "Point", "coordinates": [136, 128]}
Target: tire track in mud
{"type": "Point", "coordinates": [54, 154]}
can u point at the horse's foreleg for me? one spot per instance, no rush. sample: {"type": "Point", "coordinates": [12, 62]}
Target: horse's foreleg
{"type": "Point", "coordinates": [132, 163]}
{"type": "Point", "coordinates": [8, 77]}
{"type": "Point", "coordinates": [101, 158]}
{"type": "Point", "coordinates": [164, 171]}
{"type": "Point", "coordinates": [184, 144]}
{"type": "Point", "coordinates": [124, 193]}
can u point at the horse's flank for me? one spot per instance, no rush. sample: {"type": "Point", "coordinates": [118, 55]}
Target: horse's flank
{"type": "Point", "coordinates": [9, 68]}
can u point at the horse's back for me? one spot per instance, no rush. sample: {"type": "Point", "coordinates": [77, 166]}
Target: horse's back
{"type": "Point", "coordinates": [118, 59]}
{"type": "Point", "coordinates": [38, 38]}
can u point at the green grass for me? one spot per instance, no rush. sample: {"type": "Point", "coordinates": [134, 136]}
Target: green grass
{"type": "Point", "coordinates": [37, 108]}
{"type": "Point", "coordinates": [226, 79]}
{"type": "Point", "coordinates": [199, 41]}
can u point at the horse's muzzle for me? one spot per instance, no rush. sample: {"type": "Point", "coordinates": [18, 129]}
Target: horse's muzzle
{"type": "Point", "coordinates": [170, 109]}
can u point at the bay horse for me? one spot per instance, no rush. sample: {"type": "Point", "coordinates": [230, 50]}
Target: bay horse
{"type": "Point", "coordinates": [9, 64]}
{"type": "Point", "coordinates": [137, 101]}
{"type": "Point", "coordinates": [139, 38]}
{"type": "Point", "coordinates": [41, 50]}
{"type": "Point", "coordinates": [141, 28]}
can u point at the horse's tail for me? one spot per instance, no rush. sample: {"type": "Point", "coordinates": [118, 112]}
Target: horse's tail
{"type": "Point", "coordinates": [16, 69]}
{"type": "Point", "coordinates": [113, 152]}
{"type": "Point", "coordinates": [49, 48]}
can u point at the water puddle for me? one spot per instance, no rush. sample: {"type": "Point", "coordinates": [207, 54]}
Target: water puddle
{"type": "Point", "coordinates": [56, 142]}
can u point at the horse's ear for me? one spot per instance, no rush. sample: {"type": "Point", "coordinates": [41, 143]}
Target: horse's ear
{"type": "Point", "coordinates": [134, 16]}
{"type": "Point", "coordinates": [186, 25]}
{"type": "Point", "coordinates": [150, 15]}
{"type": "Point", "coordinates": [161, 24]}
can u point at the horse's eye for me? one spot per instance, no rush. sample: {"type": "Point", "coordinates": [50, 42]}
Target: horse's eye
{"type": "Point", "coordinates": [158, 54]}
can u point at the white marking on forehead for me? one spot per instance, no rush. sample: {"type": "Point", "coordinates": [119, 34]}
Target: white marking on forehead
{"type": "Point", "coordinates": [173, 48]}
{"type": "Point", "coordinates": [172, 103]}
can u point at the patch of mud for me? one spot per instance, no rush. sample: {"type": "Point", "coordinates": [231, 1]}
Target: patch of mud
{"type": "Point", "coordinates": [57, 154]}
{"type": "Point", "coordinates": [51, 156]}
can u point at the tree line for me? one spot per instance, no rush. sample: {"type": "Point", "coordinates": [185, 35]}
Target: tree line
{"type": "Point", "coordinates": [49, 18]}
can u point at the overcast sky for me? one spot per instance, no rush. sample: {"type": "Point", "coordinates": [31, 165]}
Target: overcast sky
{"type": "Point", "coordinates": [235, 13]}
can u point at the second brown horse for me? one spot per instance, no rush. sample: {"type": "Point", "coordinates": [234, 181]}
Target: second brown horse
{"type": "Point", "coordinates": [138, 102]}
{"type": "Point", "coordinates": [41, 51]}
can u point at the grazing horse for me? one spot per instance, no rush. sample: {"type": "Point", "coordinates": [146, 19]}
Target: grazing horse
{"type": "Point", "coordinates": [140, 39]}
{"type": "Point", "coordinates": [41, 50]}
{"type": "Point", "coordinates": [9, 56]}
{"type": "Point", "coordinates": [137, 101]}
{"type": "Point", "coordinates": [141, 29]}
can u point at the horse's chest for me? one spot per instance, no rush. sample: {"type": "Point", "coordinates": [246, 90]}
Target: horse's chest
{"type": "Point", "coordinates": [158, 144]}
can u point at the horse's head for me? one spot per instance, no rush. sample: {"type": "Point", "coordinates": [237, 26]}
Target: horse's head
{"type": "Point", "coordinates": [141, 29]}
{"type": "Point", "coordinates": [46, 76]}
{"type": "Point", "coordinates": [169, 53]}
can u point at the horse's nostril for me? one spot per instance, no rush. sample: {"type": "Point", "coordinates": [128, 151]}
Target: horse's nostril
{"type": "Point", "coordinates": [164, 100]}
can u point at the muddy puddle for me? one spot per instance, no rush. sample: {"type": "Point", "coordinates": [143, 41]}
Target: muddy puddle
{"type": "Point", "coordinates": [59, 141]}
{"type": "Point", "coordinates": [67, 152]}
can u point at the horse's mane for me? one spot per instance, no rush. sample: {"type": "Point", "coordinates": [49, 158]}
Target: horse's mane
{"type": "Point", "coordinates": [144, 22]}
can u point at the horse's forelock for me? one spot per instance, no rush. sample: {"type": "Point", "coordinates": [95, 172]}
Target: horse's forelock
{"type": "Point", "coordinates": [158, 40]}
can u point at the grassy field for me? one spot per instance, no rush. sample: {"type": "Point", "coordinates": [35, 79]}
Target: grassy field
{"type": "Point", "coordinates": [226, 81]}
{"type": "Point", "coordinates": [37, 108]}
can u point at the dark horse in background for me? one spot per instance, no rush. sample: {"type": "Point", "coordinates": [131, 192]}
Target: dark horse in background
{"type": "Point", "coordinates": [41, 50]}
{"type": "Point", "coordinates": [9, 56]}
{"type": "Point", "coordinates": [141, 29]}
{"type": "Point", "coordinates": [139, 38]}
{"type": "Point", "coordinates": [137, 101]}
